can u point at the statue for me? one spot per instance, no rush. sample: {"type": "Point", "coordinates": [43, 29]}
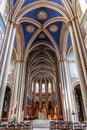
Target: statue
{"type": "Point", "coordinates": [43, 111]}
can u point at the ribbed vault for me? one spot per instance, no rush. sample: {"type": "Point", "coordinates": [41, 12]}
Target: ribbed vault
{"type": "Point", "coordinates": [41, 62]}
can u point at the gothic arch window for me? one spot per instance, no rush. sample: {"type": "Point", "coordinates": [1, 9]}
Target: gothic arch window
{"type": "Point", "coordinates": [32, 87]}
{"type": "Point", "coordinates": [72, 64]}
{"type": "Point", "coordinates": [49, 87]}
{"type": "Point", "coordinates": [37, 88]}
{"type": "Point", "coordinates": [43, 87]}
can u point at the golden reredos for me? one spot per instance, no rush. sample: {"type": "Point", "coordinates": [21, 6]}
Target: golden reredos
{"type": "Point", "coordinates": [30, 28]}
{"type": "Point", "coordinates": [42, 15]}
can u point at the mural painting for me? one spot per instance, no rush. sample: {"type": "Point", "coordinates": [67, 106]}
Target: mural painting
{"type": "Point", "coordinates": [2, 36]}
{"type": "Point", "coordinates": [84, 29]}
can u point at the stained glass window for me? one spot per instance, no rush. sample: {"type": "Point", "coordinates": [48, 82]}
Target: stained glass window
{"type": "Point", "coordinates": [37, 88]}
{"type": "Point", "coordinates": [43, 88]}
{"type": "Point", "coordinates": [49, 88]}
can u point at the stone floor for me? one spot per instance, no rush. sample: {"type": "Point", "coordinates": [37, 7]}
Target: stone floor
{"type": "Point", "coordinates": [41, 129]}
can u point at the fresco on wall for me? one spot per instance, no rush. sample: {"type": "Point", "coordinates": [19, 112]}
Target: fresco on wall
{"type": "Point", "coordinates": [79, 11]}
{"type": "Point", "coordinates": [2, 36]}
{"type": "Point", "coordinates": [83, 27]}
{"type": "Point", "coordinates": [11, 73]}
{"type": "Point", "coordinates": [6, 14]}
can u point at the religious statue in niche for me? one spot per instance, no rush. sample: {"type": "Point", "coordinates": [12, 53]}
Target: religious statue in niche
{"type": "Point", "coordinates": [36, 110]}
{"type": "Point", "coordinates": [43, 111]}
{"type": "Point", "coordinates": [6, 104]}
{"type": "Point", "coordinates": [50, 110]}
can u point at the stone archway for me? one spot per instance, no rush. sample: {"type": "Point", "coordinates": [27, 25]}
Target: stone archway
{"type": "Point", "coordinates": [79, 102]}
{"type": "Point", "coordinates": [6, 105]}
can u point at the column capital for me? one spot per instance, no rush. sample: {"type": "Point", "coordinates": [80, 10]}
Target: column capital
{"type": "Point", "coordinates": [63, 59]}
{"type": "Point", "coordinates": [71, 20]}
{"type": "Point", "coordinates": [12, 21]}
{"type": "Point", "coordinates": [21, 61]}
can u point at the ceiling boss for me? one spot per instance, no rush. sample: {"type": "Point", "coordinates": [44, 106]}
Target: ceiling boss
{"type": "Point", "coordinates": [42, 15]}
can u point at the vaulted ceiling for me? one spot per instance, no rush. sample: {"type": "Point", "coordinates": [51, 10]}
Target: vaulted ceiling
{"type": "Point", "coordinates": [42, 26]}
{"type": "Point", "coordinates": [45, 19]}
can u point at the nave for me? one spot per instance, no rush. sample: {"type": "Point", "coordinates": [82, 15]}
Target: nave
{"type": "Point", "coordinates": [43, 61]}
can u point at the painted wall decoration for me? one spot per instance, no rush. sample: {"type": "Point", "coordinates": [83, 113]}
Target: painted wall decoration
{"type": "Point", "coordinates": [2, 35]}
{"type": "Point", "coordinates": [83, 27]}
{"type": "Point", "coordinates": [79, 11]}
{"type": "Point", "coordinates": [6, 14]}
{"type": "Point", "coordinates": [11, 73]}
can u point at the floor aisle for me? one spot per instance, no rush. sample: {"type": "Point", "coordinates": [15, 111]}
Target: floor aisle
{"type": "Point", "coordinates": [41, 129]}
{"type": "Point", "coordinates": [41, 124]}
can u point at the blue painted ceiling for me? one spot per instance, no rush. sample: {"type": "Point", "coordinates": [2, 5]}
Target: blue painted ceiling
{"type": "Point", "coordinates": [56, 35]}
{"type": "Point", "coordinates": [46, 39]}
{"type": "Point", "coordinates": [27, 35]}
{"type": "Point", "coordinates": [30, 1]}
{"type": "Point", "coordinates": [50, 14]}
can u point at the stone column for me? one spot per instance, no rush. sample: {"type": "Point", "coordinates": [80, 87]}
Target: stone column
{"type": "Point", "coordinates": [30, 88]}
{"type": "Point", "coordinates": [67, 93]}
{"type": "Point", "coordinates": [52, 90]}
{"type": "Point", "coordinates": [19, 90]}
{"type": "Point", "coordinates": [79, 59]}
{"type": "Point", "coordinates": [6, 64]}
{"type": "Point", "coordinates": [26, 93]}
{"type": "Point", "coordinates": [40, 91]}
{"type": "Point", "coordinates": [35, 92]}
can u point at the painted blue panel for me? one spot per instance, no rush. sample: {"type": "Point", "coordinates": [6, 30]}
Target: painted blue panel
{"type": "Point", "coordinates": [14, 1]}
{"type": "Point", "coordinates": [27, 35]}
{"type": "Point", "coordinates": [46, 39]}
{"type": "Point", "coordinates": [28, 2]}
{"type": "Point", "coordinates": [51, 14]}
{"type": "Point", "coordinates": [15, 42]}
{"type": "Point", "coordinates": [31, 1]}
{"type": "Point", "coordinates": [58, 2]}
{"type": "Point", "coordinates": [71, 1]}
{"type": "Point", "coordinates": [56, 35]}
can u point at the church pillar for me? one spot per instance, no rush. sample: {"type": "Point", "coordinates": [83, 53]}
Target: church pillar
{"type": "Point", "coordinates": [52, 91]}
{"type": "Point", "coordinates": [26, 94]}
{"type": "Point", "coordinates": [67, 93]}
{"type": "Point", "coordinates": [40, 91]}
{"type": "Point", "coordinates": [56, 93]}
{"type": "Point", "coordinates": [19, 90]}
{"type": "Point", "coordinates": [6, 64]}
{"type": "Point", "coordinates": [30, 88]}
{"type": "Point", "coordinates": [80, 60]}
